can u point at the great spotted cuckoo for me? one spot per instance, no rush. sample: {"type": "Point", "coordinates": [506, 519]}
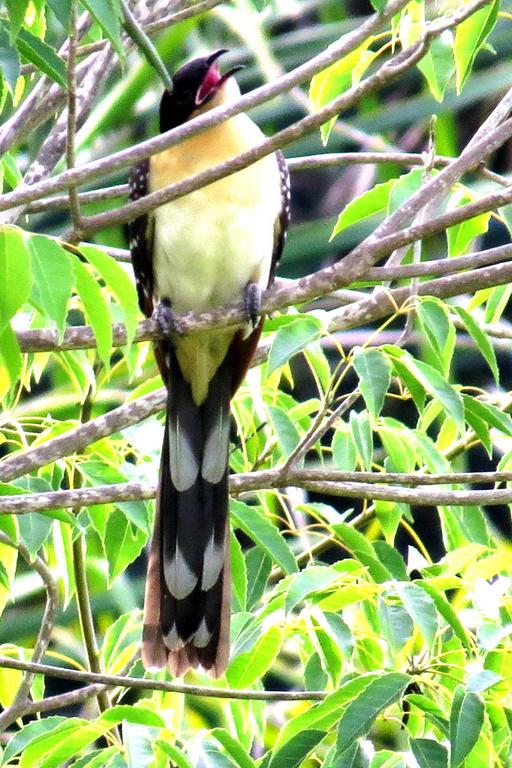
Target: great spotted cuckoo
{"type": "Point", "coordinates": [209, 248]}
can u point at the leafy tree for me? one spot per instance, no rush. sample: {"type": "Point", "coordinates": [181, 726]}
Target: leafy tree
{"type": "Point", "coordinates": [371, 455]}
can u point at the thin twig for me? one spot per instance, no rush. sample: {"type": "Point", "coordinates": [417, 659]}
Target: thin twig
{"type": "Point", "coordinates": [74, 202]}
{"type": "Point", "coordinates": [348, 483]}
{"type": "Point", "coordinates": [21, 702]}
{"type": "Point", "coordinates": [136, 683]}
{"type": "Point", "coordinates": [127, 157]}
{"type": "Point", "coordinates": [144, 44]}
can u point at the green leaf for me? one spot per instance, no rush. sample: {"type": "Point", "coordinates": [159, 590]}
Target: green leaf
{"type": "Point", "coordinates": [470, 36]}
{"type": "Point", "coordinates": [16, 10]}
{"type": "Point", "coordinates": [11, 171]}
{"type": "Point", "coordinates": [15, 270]}
{"type": "Point", "coordinates": [481, 339]}
{"type": "Point", "coordinates": [42, 55]}
{"type": "Point", "coordinates": [291, 339]}
{"type": "Point", "coordinates": [130, 713]}
{"type": "Point", "coordinates": [53, 748]}
{"type": "Point", "coordinates": [119, 283]}
{"type": "Point", "coordinates": [247, 668]}
{"type": "Point", "coordinates": [363, 437]}
{"type": "Point", "coordinates": [403, 188]}
{"type": "Point", "coordinates": [108, 15]}
{"type": "Point", "coordinates": [138, 742]}
{"type": "Point", "coordinates": [53, 278]}
{"type": "Point", "coordinates": [344, 450]}
{"type": "Point", "coordinates": [9, 59]}
{"type": "Point", "coordinates": [432, 381]}
{"type": "Point", "coordinates": [489, 414]}
{"type": "Point", "coordinates": [379, 5]}
{"type": "Point", "coordinates": [439, 331]}
{"type": "Point", "coordinates": [178, 757]}
{"type": "Point", "coordinates": [296, 749]}
{"type": "Point", "coordinates": [460, 236]}
{"type": "Point", "coordinates": [4, 577]}
{"type": "Point", "coordinates": [324, 715]}
{"type": "Point", "coordinates": [258, 566]}
{"type": "Point", "coordinates": [438, 66]}
{"type": "Point", "coordinates": [370, 203]}
{"type": "Point", "coordinates": [396, 623]}
{"type": "Point", "coordinates": [391, 559]}
{"type": "Point", "coordinates": [122, 544]}
{"type": "Point", "coordinates": [361, 548]}
{"type": "Point", "coordinates": [34, 530]}
{"type": "Point", "coordinates": [374, 371]}
{"type": "Point", "coordinates": [100, 473]}
{"type": "Point", "coordinates": [121, 642]}
{"type": "Point", "coordinates": [10, 353]}
{"type": "Point", "coordinates": [466, 721]}
{"type": "Point", "coordinates": [338, 78]}
{"type": "Point", "coordinates": [429, 753]}
{"type": "Point", "coordinates": [311, 579]}
{"type": "Point", "coordinates": [421, 609]}
{"type": "Point", "coordinates": [28, 733]}
{"type": "Point", "coordinates": [238, 573]}
{"type": "Point", "coordinates": [254, 524]}
{"type": "Point", "coordinates": [233, 748]}
{"type": "Point", "coordinates": [100, 758]}
{"type": "Point", "coordinates": [286, 431]}
{"type": "Point", "coordinates": [362, 711]}
{"type": "Point", "coordinates": [95, 309]}
{"type": "Point", "coordinates": [446, 611]}
{"type": "Point", "coordinates": [62, 11]}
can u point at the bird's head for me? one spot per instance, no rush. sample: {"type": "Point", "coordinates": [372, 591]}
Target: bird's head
{"type": "Point", "coordinates": [197, 86]}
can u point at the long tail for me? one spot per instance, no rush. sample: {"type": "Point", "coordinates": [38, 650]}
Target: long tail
{"type": "Point", "coordinates": [187, 603]}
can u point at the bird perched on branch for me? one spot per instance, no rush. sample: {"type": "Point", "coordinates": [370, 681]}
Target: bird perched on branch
{"type": "Point", "coordinates": [215, 246]}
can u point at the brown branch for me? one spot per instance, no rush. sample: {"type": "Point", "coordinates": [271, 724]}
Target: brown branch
{"type": "Point", "coordinates": [74, 203]}
{"type": "Point", "coordinates": [127, 157]}
{"type": "Point", "coordinates": [21, 701]}
{"type": "Point", "coordinates": [76, 439]}
{"type": "Point", "coordinates": [310, 162]}
{"type": "Point", "coordinates": [368, 484]}
{"type": "Point", "coordinates": [286, 293]}
{"type": "Point", "coordinates": [136, 683]}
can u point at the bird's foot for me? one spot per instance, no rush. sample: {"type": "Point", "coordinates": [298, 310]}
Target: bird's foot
{"type": "Point", "coordinates": [252, 303]}
{"type": "Point", "coordinates": [165, 319]}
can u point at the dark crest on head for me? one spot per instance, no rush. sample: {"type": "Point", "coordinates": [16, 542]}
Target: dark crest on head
{"type": "Point", "coordinates": [194, 85]}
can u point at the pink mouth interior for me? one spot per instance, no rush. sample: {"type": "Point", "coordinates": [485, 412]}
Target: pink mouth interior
{"type": "Point", "coordinates": [209, 84]}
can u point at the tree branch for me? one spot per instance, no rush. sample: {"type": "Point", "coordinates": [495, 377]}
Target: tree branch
{"type": "Point", "coordinates": [136, 683]}
{"type": "Point", "coordinates": [21, 703]}
{"type": "Point", "coordinates": [367, 484]}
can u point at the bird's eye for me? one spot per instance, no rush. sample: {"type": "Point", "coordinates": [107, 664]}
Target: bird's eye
{"type": "Point", "coordinates": [183, 96]}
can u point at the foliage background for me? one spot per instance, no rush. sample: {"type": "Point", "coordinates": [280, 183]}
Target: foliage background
{"type": "Point", "coordinates": [372, 442]}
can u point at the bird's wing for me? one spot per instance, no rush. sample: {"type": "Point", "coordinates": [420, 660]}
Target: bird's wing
{"type": "Point", "coordinates": [141, 238]}
{"type": "Point", "coordinates": [244, 347]}
{"type": "Point", "coordinates": [283, 220]}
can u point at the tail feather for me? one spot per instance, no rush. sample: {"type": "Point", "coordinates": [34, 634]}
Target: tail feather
{"type": "Point", "coordinates": [186, 612]}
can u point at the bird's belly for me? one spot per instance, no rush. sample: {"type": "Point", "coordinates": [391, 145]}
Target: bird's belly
{"type": "Point", "coordinates": [205, 257]}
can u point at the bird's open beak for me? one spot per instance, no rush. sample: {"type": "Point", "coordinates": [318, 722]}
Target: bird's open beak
{"type": "Point", "coordinates": [214, 80]}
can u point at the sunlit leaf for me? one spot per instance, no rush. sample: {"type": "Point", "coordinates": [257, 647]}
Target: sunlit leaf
{"type": "Point", "coordinates": [466, 720]}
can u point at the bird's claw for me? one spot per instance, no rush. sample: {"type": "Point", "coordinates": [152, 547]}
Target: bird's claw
{"type": "Point", "coordinates": [252, 303]}
{"type": "Point", "coordinates": [165, 319]}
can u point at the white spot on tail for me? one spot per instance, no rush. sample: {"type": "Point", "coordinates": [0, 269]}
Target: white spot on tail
{"type": "Point", "coordinates": [212, 564]}
{"type": "Point", "coordinates": [179, 577]}
{"type": "Point", "coordinates": [172, 640]}
{"type": "Point", "coordinates": [202, 636]}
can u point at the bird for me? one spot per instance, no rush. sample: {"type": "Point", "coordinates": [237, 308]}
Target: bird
{"type": "Point", "coordinates": [215, 246]}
